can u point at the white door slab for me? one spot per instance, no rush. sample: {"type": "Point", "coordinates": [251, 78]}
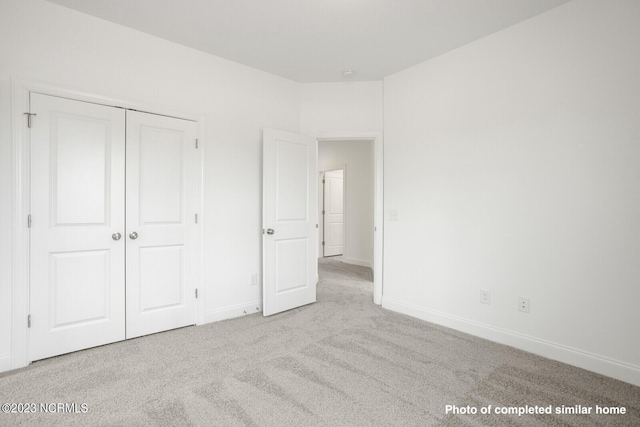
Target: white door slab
{"type": "Point", "coordinates": [333, 212]}
{"type": "Point", "coordinates": [162, 183]}
{"type": "Point", "coordinates": [77, 204]}
{"type": "Point", "coordinates": [289, 219]}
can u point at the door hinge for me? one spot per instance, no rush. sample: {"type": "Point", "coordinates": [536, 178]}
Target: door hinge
{"type": "Point", "coordinates": [322, 243]}
{"type": "Point", "coordinates": [322, 212]}
{"type": "Point", "coordinates": [323, 181]}
{"type": "Point", "coordinates": [29, 221]}
{"type": "Point", "coordinates": [29, 118]}
{"type": "Point", "coordinates": [196, 293]}
{"type": "Point", "coordinates": [196, 218]}
{"type": "Point", "coordinates": [196, 143]}
{"type": "Point", "coordinates": [29, 321]}
{"type": "Point", "coordinates": [316, 225]}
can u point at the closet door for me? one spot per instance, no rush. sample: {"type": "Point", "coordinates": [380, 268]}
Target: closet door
{"type": "Point", "coordinates": [162, 186]}
{"type": "Point", "coordinates": [77, 231]}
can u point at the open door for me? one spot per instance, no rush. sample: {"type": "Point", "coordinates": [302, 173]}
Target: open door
{"type": "Point", "coordinates": [289, 220]}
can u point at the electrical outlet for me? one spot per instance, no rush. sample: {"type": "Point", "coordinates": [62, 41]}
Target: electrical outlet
{"type": "Point", "coordinates": [523, 304]}
{"type": "Point", "coordinates": [485, 296]}
{"type": "Point", "coordinates": [393, 215]}
{"type": "Point", "coordinates": [254, 279]}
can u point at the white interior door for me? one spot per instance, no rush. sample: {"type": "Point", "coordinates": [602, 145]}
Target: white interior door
{"type": "Point", "coordinates": [162, 186]}
{"type": "Point", "coordinates": [77, 210]}
{"type": "Point", "coordinates": [333, 212]}
{"type": "Point", "coordinates": [290, 267]}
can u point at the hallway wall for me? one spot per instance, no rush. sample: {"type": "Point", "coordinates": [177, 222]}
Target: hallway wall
{"type": "Point", "coordinates": [357, 156]}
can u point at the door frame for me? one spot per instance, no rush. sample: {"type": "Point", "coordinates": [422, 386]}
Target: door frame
{"type": "Point", "coordinates": [20, 286]}
{"type": "Point", "coordinates": [378, 199]}
{"type": "Point", "coordinates": [343, 168]}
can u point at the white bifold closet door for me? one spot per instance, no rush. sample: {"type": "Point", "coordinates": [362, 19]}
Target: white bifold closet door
{"type": "Point", "coordinates": [77, 205]}
{"type": "Point", "coordinates": [161, 228]}
{"type": "Point", "coordinates": [101, 272]}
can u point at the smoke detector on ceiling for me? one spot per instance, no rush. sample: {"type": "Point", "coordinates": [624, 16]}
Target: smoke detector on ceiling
{"type": "Point", "coordinates": [348, 74]}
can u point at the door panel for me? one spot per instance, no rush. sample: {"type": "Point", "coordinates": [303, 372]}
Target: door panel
{"type": "Point", "coordinates": [80, 282]}
{"type": "Point", "coordinates": [292, 181]}
{"type": "Point", "coordinates": [162, 285]}
{"type": "Point", "coordinates": [161, 207]}
{"type": "Point", "coordinates": [80, 188]}
{"type": "Point", "coordinates": [291, 265]}
{"type": "Point", "coordinates": [290, 210]}
{"type": "Point", "coordinates": [161, 169]}
{"type": "Point", "coordinates": [334, 212]}
{"type": "Point", "coordinates": [77, 203]}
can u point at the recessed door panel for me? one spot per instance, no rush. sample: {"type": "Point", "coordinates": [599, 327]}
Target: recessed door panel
{"type": "Point", "coordinates": [80, 166]}
{"type": "Point", "coordinates": [161, 278]}
{"type": "Point", "coordinates": [292, 180]}
{"type": "Point", "coordinates": [161, 175]}
{"type": "Point", "coordinates": [291, 257]}
{"type": "Point", "coordinates": [79, 287]}
{"type": "Point", "coordinates": [77, 204]}
{"type": "Point", "coordinates": [161, 229]}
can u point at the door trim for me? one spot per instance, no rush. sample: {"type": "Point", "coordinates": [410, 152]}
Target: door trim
{"type": "Point", "coordinates": [378, 199]}
{"type": "Point", "coordinates": [20, 284]}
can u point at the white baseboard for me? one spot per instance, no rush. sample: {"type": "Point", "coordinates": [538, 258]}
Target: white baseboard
{"type": "Point", "coordinates": [592, 362]}
{"type": "Point", "coordinates": [5, 363]}
{"type": "Point", "coordinates": [232, 311]}
{"type": "Point", "coordinates": [355, 261]}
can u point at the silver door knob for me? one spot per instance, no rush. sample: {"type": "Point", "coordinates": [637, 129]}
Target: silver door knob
{"type": "Point", "coordinates": [116, 236]}
{"type": "Point", "coordinates": [133, 236]}
{"type": "Point", "coordinates": [270, 231]}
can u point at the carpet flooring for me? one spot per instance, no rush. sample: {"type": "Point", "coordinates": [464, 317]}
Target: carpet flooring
{"type": "Point", "coordinates": [342, 361]}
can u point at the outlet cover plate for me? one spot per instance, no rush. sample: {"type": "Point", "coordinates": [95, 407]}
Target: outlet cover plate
{"type": "Point", "coordinates": [523, 304]}
{"type": "Point", "coordinates": [485, 296]}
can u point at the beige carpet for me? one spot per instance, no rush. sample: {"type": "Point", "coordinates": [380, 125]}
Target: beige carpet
{"type": "Point", "coordinates": [340, 362]}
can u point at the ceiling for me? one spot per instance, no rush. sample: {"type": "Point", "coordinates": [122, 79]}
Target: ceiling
{"type": "Point", "coordinates": [317, 40]}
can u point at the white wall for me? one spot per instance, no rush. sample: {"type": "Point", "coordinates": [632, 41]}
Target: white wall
{"type": "Point", "coordinates": [513, 163]}
{"type": "Point", "coordinates": [44, 42]}
{"type": "Point", "coordinates": [357, 157]}
{"type": "Point", "coordinates": [350, 110]}
{"type": "Point", "coordinates": [348, 107]}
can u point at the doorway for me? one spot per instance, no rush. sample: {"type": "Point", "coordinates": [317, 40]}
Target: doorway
{"type": "Point", "coordinates": [375, 229]}
{"type": "Point", "coordinates": [347, 167]}
{"type": "Point", "coordinates": [112, 224]}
